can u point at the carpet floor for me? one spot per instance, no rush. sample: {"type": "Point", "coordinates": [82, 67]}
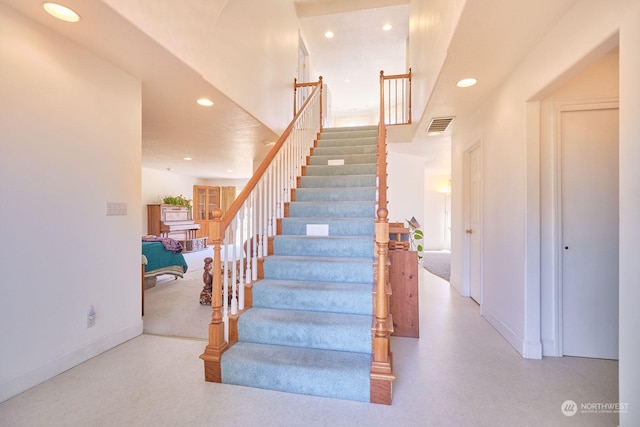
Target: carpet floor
{"type": "Point", "coordinates": [438, 263]}
{"type": "Point", "coordinates": [172, 307]}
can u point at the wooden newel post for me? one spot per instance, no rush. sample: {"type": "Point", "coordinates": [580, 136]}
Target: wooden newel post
{"type": "Point", "coordinates": [217, 345]}
{"type": "Point", "coordinates": [381, 365]}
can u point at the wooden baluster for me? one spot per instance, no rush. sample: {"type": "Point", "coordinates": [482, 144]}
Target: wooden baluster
{"type": "Point", "coordinates": [217, 344]}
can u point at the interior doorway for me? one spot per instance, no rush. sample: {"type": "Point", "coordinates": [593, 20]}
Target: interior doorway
{"type": "Point", "coordinates": [473, 229]}
{"type": "Point", "coordinates": [588, 141]}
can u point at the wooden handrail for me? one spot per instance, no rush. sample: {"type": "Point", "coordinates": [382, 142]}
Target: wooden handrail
{"type": "Point", "coordinates": [259, 172]}
{"type": "Point", "coordinates": [262, 201]}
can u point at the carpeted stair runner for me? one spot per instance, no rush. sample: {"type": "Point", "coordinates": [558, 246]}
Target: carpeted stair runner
{"type": "Point", "coordinates": [309, 329]}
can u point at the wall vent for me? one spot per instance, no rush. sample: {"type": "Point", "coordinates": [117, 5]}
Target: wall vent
{"type": "Point", "coordinates": [439, 124]}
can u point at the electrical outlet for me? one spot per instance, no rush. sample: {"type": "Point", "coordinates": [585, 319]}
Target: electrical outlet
{"type": "Point", "coordinates": [91, 317]}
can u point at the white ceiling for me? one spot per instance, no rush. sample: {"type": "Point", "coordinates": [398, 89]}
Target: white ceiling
{"type": "Point", "coordinates": [351, 61]}
{"type": "Point", "coordinates": [490, 39]}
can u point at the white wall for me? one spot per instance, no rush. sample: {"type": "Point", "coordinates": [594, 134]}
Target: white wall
{"type": "Point", "coordinates": [629, 368]}
{"type": "Point", "coordinates": [436, 224]}
{"type": "Point", "coordinates": [430, 30]}
{"type": "Point", "coordinates": [405, 186]}
{"type": "Point", "coordinates": [70, 141]}
{"type": "Point", "coordinates": [504, 123]}
{"type": "Point", "coordinates": [248, 49]}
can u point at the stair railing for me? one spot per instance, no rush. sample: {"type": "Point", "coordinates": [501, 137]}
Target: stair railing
{"type": "Point", "coordinates": [396, 98]}
{"type": "Point", "coordinates": [241, 236]}
{"type": "Point", "coordinates": [302, 91]}
{"type": "Point", "coordinates": [381, 365]}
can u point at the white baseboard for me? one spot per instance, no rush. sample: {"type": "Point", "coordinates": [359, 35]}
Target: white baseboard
{"type": "Point", "coordinates": [532, 350]}
{"type": "Point", "coordinates": [55, 366]}
{"type": "Point", "coordinates": [516, 342]}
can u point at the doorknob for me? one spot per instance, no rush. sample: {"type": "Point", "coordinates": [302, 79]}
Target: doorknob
{"type": "Point", "coordinates": [468, 231]}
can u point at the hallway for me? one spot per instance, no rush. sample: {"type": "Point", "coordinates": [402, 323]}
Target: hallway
{"type": "Point", "coordinates": [459, 373]}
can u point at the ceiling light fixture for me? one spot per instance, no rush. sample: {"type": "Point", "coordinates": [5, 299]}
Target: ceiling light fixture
{"type": "Point", "coordinates": [467, 82]}
{"type": "Point", "coordinates": [205, 102]}
{"type": "Point", "coordinates": [387, 27]}
{"type": "Point", "coordinates": [61, 12]}
{"type": "Point", "coordinates": [328, 34]}
{"type": "Point", "coordinates": [188, 158]}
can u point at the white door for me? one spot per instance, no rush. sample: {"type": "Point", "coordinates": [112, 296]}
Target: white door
{"type": "Point", "coordinates": [589, 203]}
{"type": "Point", "coordinates": [474, 230]}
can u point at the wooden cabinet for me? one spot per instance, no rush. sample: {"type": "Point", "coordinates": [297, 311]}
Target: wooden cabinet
{"type": "Point", "coordinates": [205, 200]}
{"type": "Point", "coordinates": [403, 275]}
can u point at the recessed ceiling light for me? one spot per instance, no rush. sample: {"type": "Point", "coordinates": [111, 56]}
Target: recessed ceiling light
{"type": "Point", "coordinates": [205, 102]}
{"type": "Point", "coordinates": [433, 133]}
{"type": "Point", "coordinates": [328, 34]}
{"type": "Point", "coordinates": [387, 27]}
{"type": "Point", "coordinates": [467, 82]}
{"type": "Point", "coordinates": [347, 81]}
{"type": "Point", "coordinates": [188, 158]}
{"type": "Point", "coordinates": [229, 170]}
{"type": "Point", "coordinates": [61, 12]}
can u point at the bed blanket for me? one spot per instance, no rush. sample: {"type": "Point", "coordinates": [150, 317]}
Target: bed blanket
{"type": "Point", "coordinates": [162, 261]}
{"type": "Point", "coordinates": [168, 243]}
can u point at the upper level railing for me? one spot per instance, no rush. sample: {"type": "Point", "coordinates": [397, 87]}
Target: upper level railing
{"type": "Point", "coordinates": [395, 98]}
{"type": "Point", "coordinates": [241, 236]}
{"type": "Point", "coordinates": [302, 91]}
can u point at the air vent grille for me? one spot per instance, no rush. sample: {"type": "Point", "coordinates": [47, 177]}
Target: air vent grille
{"type": "Point", "coordinates": [439, 124]}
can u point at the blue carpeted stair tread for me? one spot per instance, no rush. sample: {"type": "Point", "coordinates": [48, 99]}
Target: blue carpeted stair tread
{"type": "Point", "coordinates": [344, 150]}
{"type": "Point", "coordinates": [311, 329]}
{"type": "Point", "coordinates": [336, 246]}
{"type": "Point", "coordinates": [324, 269]}
{"type": "Point", "coordinates": [314, 372]}
{"type": "Point", "coordinates": [341, 181]}
{"type": "Point", "coordinates": [326, 170]}
{"type": "Point", "coordinates": [333, 297]}
{"type": "Point", "coordinates": [348, 209]}
{"type": "Point", "coordinates": [352, 194]}
{"type": "Point", "coordinates": [347, 159]}
{"type": "Point", "coordinates": [337, 226]}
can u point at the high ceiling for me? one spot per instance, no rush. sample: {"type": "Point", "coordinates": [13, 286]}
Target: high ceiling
{"type": "Point", "coordinates": [350, 62]}
{"type": "Point", "coordinates": [490, 39]}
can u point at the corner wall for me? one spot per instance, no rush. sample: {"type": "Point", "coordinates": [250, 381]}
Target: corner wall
{"type": "Point", "coordinates": [71, 132]}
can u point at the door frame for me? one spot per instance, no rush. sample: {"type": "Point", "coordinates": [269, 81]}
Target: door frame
{"type": "Point", "coordinates": [466, 194]}
{"type": "Point", "coordinates": [561, 106]}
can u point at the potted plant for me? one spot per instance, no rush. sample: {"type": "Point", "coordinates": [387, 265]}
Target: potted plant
{"type": "Point", "coordinates": [177, 201]}
{"type": "Point", "coordinates": [415, 234]}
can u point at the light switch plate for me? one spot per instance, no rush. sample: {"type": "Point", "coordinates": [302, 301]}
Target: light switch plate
{"type": "Point", "coordinates": [116, 208]}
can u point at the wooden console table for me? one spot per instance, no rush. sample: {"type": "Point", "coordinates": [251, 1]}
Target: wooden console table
{"type": "Point", "coordinates": [403, 274]}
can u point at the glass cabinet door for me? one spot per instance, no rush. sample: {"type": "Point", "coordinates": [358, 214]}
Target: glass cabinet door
{"type": "Point", "coordinates": [206, 199]}
{"type": "Point", "coordinates": [200, 197]}
{"type": "Point", "coordinates": [213, 200]}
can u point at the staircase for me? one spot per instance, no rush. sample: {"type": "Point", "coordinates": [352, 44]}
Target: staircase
{"type": "Point", "coordinates": [309, 330]}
